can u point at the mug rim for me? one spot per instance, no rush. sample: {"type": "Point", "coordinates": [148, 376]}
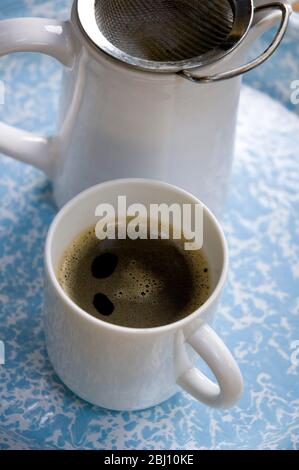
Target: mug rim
{"type": "Point", "coordinates": [49, 268]}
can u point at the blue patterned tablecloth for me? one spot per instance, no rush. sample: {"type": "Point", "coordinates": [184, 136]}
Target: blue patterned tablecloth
{"type": "Point", "coordinates": [259, 314]}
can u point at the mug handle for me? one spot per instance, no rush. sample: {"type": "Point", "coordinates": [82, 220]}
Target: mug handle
{"type": "Point", "coordinates": [213, 351]}
{"type": "Point", "coordinates": [49, 37]}
{"type": "Point", "coordinates": [286, 11]}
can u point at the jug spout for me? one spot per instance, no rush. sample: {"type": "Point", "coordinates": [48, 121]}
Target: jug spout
{"type": "Point", "coordinates": [265, 20]}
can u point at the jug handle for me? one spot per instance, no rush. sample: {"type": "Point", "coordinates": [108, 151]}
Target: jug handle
{"type": "Point", "coordinates": [49, 37]}
{"type": "Point", "coordinates": [286, 11]}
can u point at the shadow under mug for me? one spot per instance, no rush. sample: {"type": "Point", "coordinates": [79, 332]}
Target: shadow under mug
{"type": "Point", "coordinates": [123, 368]}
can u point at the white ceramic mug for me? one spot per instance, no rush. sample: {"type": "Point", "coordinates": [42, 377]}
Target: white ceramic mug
{"type": "Point", "coordinates": [125, 368]}
{"type": "Point", "coordinates": [117, 122]}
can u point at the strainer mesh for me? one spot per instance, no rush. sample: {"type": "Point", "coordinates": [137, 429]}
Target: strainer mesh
{"type": "Point", "coordinates": [165, 30]}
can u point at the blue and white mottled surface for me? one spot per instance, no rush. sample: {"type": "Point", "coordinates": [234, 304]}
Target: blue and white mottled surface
{"type": "Point", "coordinates": [259, 315]}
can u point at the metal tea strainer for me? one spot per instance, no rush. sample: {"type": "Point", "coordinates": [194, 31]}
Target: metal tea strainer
{"type": "Point", "coordinates": [175, 35]}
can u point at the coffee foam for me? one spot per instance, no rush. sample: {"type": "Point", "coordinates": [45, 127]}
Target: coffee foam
{"type": "Point", "coordinates": [155, 281]}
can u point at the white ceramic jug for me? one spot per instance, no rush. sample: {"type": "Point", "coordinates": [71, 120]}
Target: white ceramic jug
{"type": "Point", "coordinates": [116, 121]}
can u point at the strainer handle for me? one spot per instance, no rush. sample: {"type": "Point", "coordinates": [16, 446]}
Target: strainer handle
{"type": "Point", "coordinates": [286, 11]}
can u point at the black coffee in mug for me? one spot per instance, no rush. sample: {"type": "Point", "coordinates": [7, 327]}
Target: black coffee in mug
{"type": "Point", "coordinates": [134, 283]}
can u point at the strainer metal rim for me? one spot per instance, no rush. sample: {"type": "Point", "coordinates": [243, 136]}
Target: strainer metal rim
{"type": "Point", "coordinates": [242, 24]}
